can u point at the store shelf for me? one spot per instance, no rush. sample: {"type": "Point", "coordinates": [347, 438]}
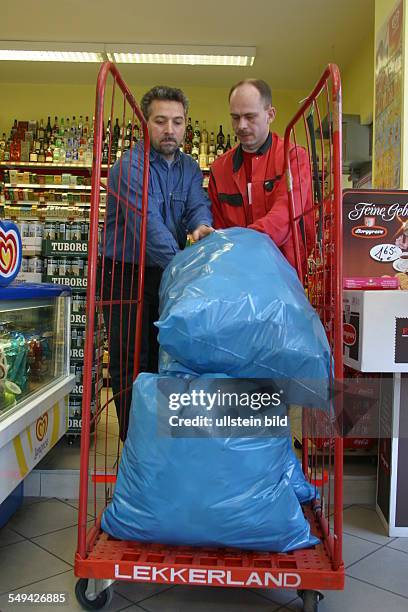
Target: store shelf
{"type": "Point", "coordinates": [48, 186]}
{"type": "Point", "coordinates": [29, 277]}
{"type": "Point", "coordinates": [20, 164]}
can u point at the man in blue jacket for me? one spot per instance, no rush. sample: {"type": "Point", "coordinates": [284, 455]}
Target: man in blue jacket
{"type": "Point", "coordinates": [177, 205]}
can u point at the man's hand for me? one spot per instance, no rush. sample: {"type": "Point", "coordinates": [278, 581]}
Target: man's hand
{"type": "Point", "coordinates": [201, 232]}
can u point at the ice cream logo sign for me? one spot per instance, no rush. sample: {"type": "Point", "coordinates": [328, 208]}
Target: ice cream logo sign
{"type": "Point", "coordinates": [41, 430]}
{"type": "Point", "coordinates": [10, 252]}
{"type": "Point", "coordinates": [41, 427]}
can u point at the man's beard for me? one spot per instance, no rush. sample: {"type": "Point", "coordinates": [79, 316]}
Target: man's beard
{"type": "Point", "coordinates": [168, 148]}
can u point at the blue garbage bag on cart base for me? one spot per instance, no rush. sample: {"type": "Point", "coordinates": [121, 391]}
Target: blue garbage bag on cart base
{"type": "Point", "coordinates": [304, 491]}
{"type": "Point", "coordinates": [201, 491]}
{"type": "Point", "coordinates": [232, 304]}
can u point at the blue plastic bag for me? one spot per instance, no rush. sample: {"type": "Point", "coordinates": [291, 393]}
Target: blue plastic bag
{"type": "Point", "coordinates": [232, 304]}
{"type": "Point", "coordinates": [201, 491]}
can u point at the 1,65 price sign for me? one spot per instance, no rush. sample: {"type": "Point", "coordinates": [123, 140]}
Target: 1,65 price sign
{"type": "Point", "coordinates": [385, 252]}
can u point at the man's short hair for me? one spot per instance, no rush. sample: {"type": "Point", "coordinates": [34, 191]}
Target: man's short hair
{"type": "Point", "coordinates": [162, 92]}
{"type": "Point", "coordinates": [263, 88]}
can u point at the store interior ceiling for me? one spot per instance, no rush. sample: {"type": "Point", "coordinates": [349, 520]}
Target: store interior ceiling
{"type": "Point", "coordinates": [295, 39]}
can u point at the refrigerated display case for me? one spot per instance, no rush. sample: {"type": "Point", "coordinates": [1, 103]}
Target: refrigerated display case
{"type": "Point", "coordinates": [35, 376]}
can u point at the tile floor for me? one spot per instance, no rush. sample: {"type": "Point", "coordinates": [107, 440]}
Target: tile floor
{"type": "Point", "coordinates": [37, 550]}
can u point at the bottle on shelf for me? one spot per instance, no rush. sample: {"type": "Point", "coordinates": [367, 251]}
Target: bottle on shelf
{"type": "Point", "coordinates": [62, 127]}
{"type": "Point", "coordinates": [41, 154]}
{"type": "Point", "coordinates": [48, 129]}
{"type": "Point", "coordinates": [195, 151]}
{"type": "Point", "coordinates": [86, 130]}
{"type": "Point", "coordinates": [204, 134]}
{"type": "Point", "coordinates": [128, 136]}
{"type": "Point", "coordinates": [210, 158]}
{"type": "Point", "coordinates": [228, 145]}
{"type": "Point", "coordinates": [55, 129]}
{"type": "Point", "coordinates": [196, 134]}
{"type": "Point", "coordinates": [220, 150]}
{"type": "Point", "coordinates": [33, 155]}
{"type": "Point", "coordinates": [211, 148]}
{"type": "Point", "coordinates": [7, 151]}
{"type": "Point", "coordinates": [203, 159]}
{"type": "Point", "coordinates": [220, 137]}
{"type": "Point", "coordinates": [48, 154]}
{"type": "Point", "coordinates": [116, 130]}
{"type": "Point", "coordinates": [41, 131]}
{"type": "Point", "coordinates": [189, 131]}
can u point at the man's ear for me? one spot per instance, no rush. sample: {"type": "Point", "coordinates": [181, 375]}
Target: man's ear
{"type": "Point", "coordinates": [271, 113]}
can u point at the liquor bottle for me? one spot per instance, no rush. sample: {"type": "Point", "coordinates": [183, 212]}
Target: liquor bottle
{"type": "Point", "coordinates": [67, 126]}
{"type": "Point", "coordinates": [105, 152]}
{"type": "Point", "coordinates": [204, 133]}
{"type": "Point", "coordinates": [56, 155]}
{"type": "Point", "coordinates": [62, 127]}
{"type": "Point", "coordinates": [62, 154]}
{"type": "Point", "coordinates": [41, 131]}
{"type": "Point", "coordinates": [48, 129]}
{"type": "Point", "coordinates": [48, 155]}
{"type": "Point", "coordinates": [211, 148]}
{"type": "Point", "coordinates": [136, 133]}
{"type": "Point", "coordinates": [202, 160]}
{"type": "Point", "coordinates": [41, 154]}
{"type": "Point", "coordinates": [116, 130]}
{"type": "Point", "coordinates": [128, 136]}
{"type": "Point", "coordinates": [197, 134]}
{"type": "Point", "coordinates": [55, 129]}
{"type": "Point", "coordinates": [195, 152]}
{"type": "Point", "coordinates": [220, 150]}
{"type": "Point", "coordinates": [235, 141]}
{"type": "Point", "coordinates": [14, 129]}
{"type": "Point", "coordinates": [7, 151]}
{"type": "Point", "coordinates": [189, 131]}
{"type": "Point", "coordinates": [3, 141]}
{"type": "Point", "coordinates": [220, 137]}
{"type": "Point", "coordinates": [228, 145]}
{"type": "Point", "coordinates": [33, 155]}
{"type": "Point", "coordinates": [188, 147]}
{"type": "Point", "coordinates": [85, 129]}
{"type": "Point", "coordinates": [210, 158]}
{"type": "Point", "coordinates": [80, 126]}
{"type": "Point", "coordinates": [74, 126]}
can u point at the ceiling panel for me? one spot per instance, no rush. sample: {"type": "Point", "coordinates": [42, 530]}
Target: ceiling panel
{"type": "Point", "coordinates": [295, 39]}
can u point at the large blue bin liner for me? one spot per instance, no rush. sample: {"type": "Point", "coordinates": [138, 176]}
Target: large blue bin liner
{"type": "Point", "coordinates": [202, 491]}
{"type": "Point", "coordinates": [232, 304]}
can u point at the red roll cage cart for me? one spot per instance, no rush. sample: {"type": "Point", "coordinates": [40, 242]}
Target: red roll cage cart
{"type": "Point", "coordinates": [100, 559]}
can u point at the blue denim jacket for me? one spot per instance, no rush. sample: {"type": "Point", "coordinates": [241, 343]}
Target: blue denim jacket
{"type": "Point", "coordinates": [177, 205]}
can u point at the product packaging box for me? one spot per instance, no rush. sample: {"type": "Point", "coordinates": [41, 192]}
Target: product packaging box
{"type": "Point", "coordinates": [375, 234]}
{"type": "Point", "coordinates": [376, 330]}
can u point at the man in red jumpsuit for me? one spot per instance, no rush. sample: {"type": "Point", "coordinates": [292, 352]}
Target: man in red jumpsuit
{"type": "Point", "coordinates": [247, 185]}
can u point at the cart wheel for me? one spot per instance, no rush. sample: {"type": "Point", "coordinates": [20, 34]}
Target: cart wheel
{"type": "Point", "coordinates": [104, 598]}
{"type": "Point", "coordinates": [310, 600]}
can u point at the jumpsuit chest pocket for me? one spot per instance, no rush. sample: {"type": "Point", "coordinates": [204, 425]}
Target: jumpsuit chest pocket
{"type": "Point", "coordinates": [269, 188]}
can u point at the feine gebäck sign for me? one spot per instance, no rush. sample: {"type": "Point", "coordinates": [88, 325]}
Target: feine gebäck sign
{"type": "Point", "coordinates": [375, 234]}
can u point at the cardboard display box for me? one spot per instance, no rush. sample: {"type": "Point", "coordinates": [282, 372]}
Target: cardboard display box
{"type": "Point", "coordinates": [376, 330]}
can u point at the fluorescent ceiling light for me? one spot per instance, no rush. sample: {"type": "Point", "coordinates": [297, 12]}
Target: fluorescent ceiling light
{"type": "Point", "coordinates": [12, 50]}
{"type": "Point", "coordinates": [192, 55]}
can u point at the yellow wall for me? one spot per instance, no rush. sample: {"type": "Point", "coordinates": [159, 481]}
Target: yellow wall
{"type": "Point", "coordinates": [358, 83]}
{"type": "Point", "coordinates": [32, 101]}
